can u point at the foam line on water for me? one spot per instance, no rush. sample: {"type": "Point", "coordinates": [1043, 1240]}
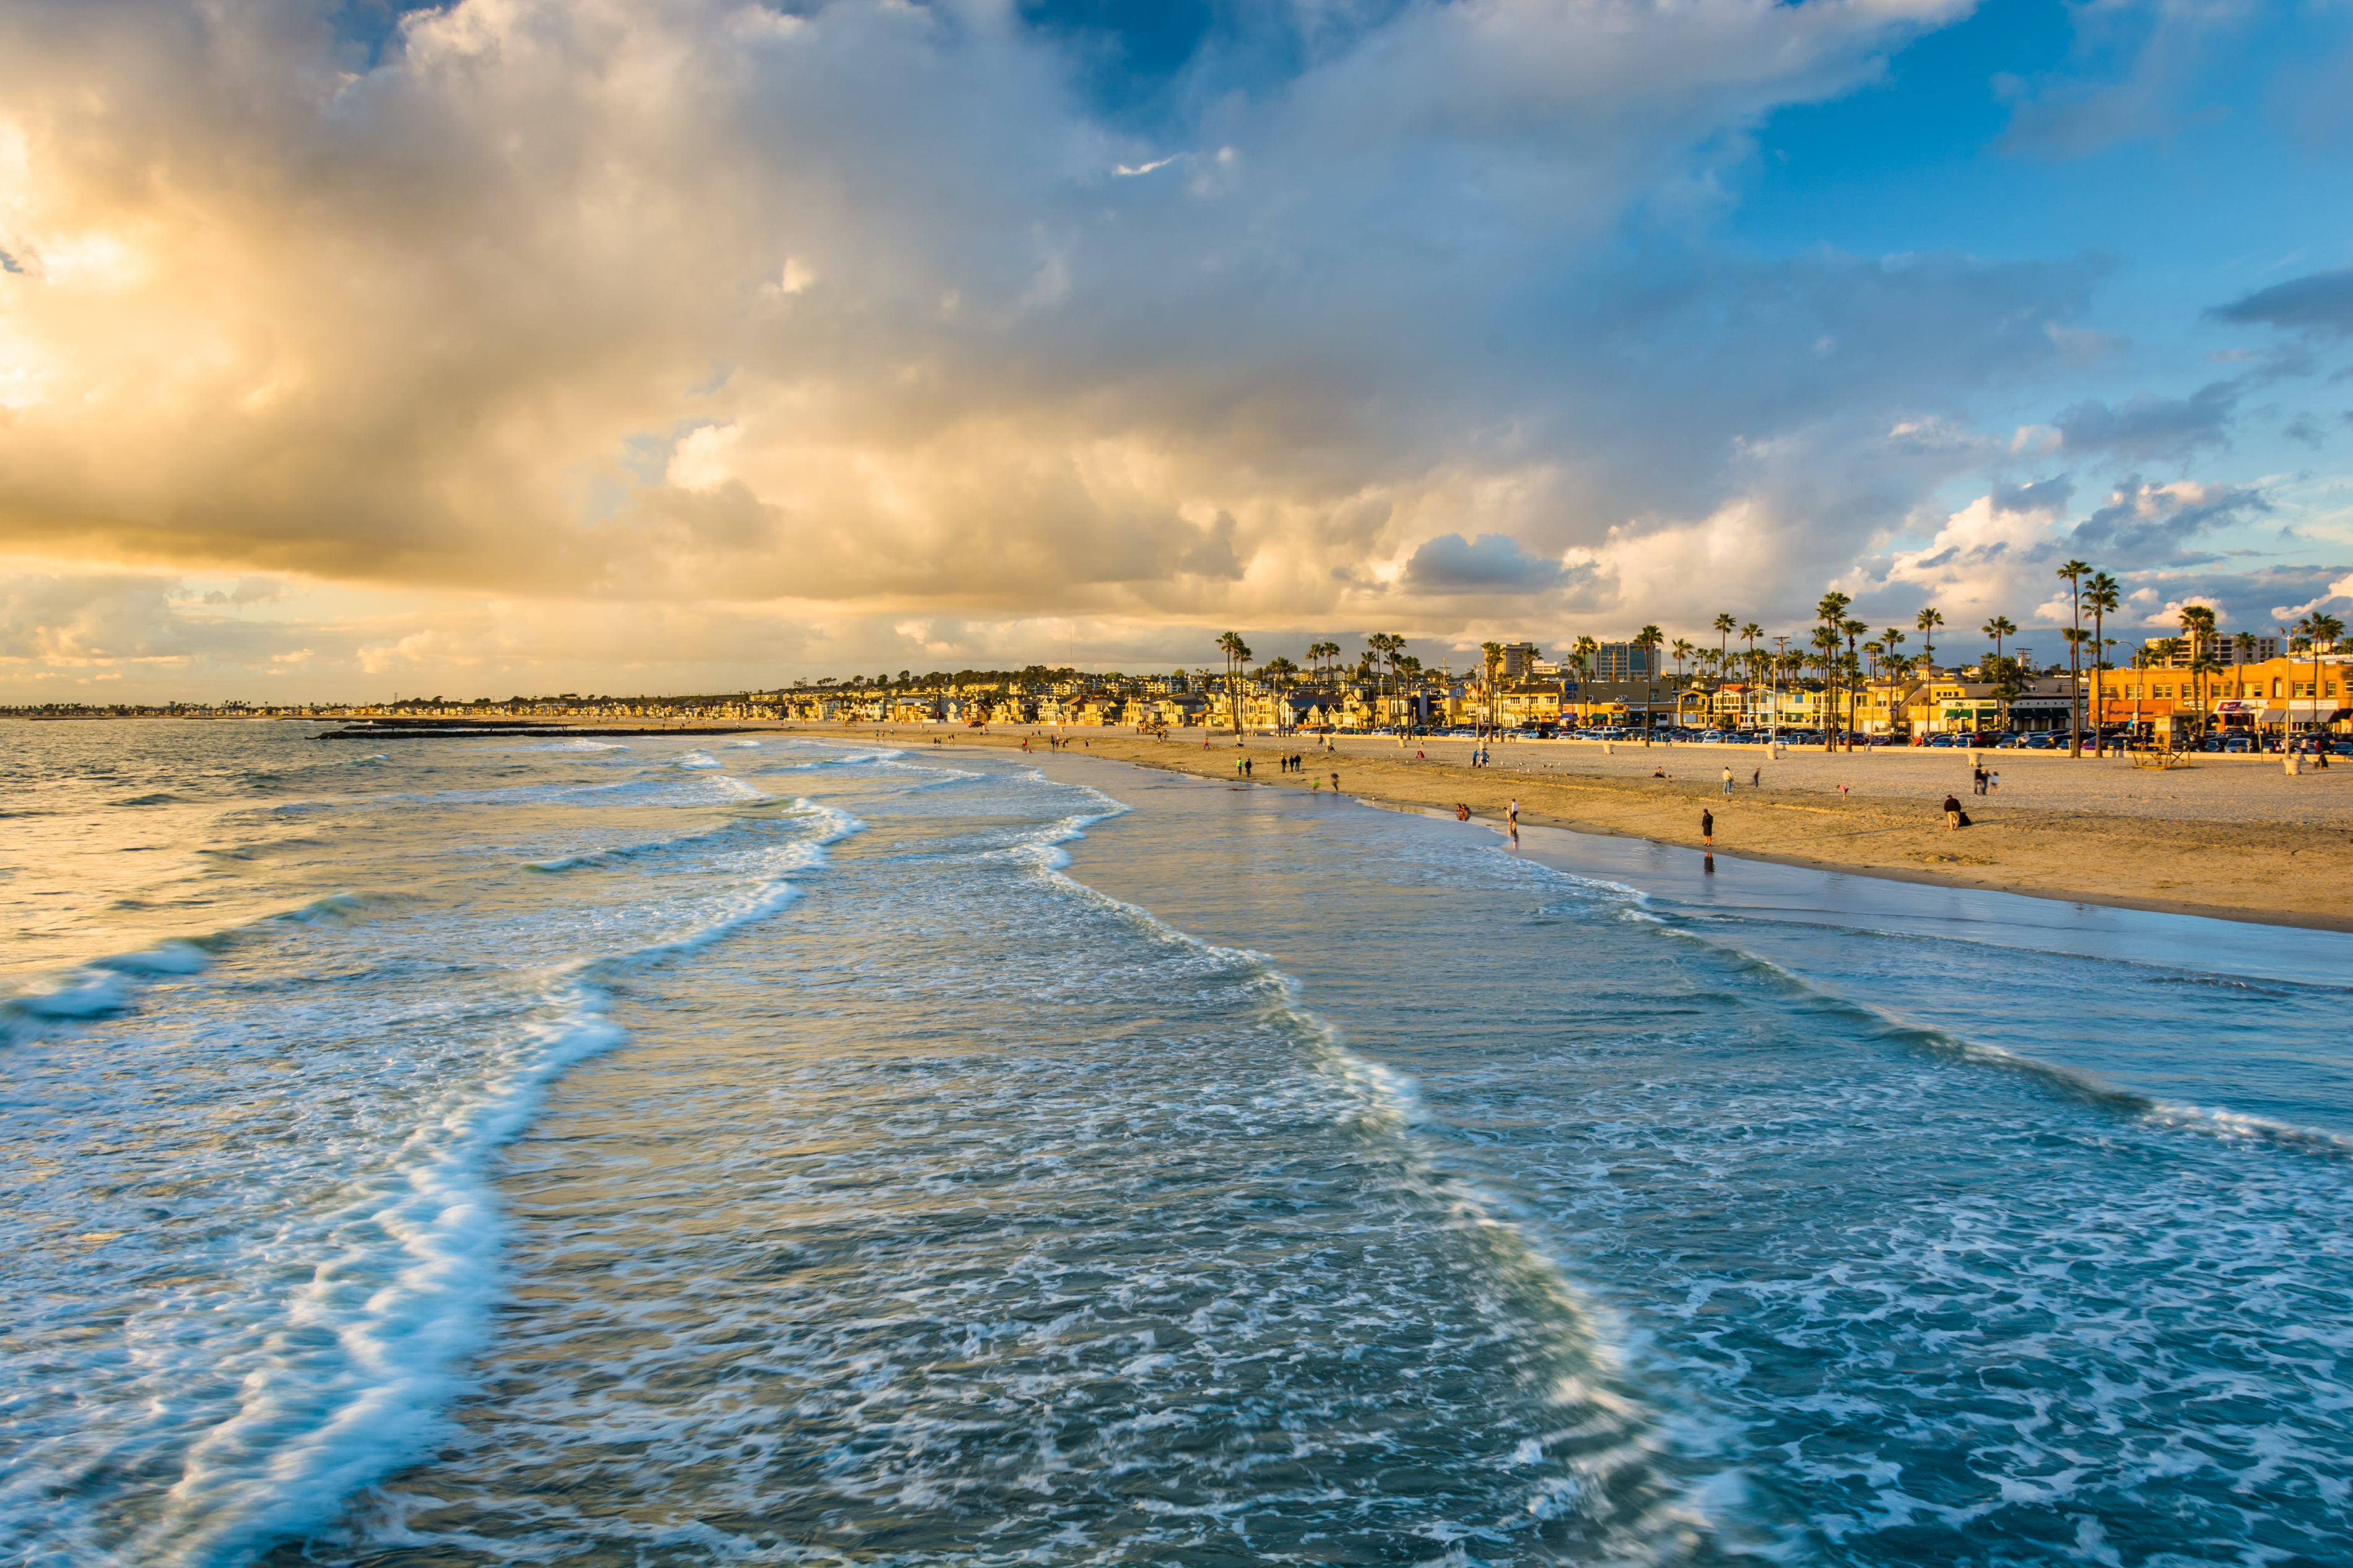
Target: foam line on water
{"type": "Point", "coordinates": [375, 1340]}
{"type": "Point", "coordinates": [1853, 926]}
{"type": "Point", "coordinates": [2064, 1080]}
{"type": "Point", "coordinates": [1388, 1103]}
{"type": "Point", "coordinates": [373, 1345]}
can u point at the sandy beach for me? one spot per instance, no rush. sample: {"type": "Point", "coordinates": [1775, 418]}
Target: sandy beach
{"type": "Point", "coordinates": [2230, 837]}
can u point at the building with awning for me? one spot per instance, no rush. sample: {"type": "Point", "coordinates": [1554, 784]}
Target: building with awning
{"type": "Point", "coordinates": [2291, 692]}
{"type": "Point", "coordinates": [2302, 711]}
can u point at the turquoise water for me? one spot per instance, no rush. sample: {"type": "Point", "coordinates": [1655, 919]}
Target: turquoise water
{"type": "Point", "coordinates": [786, 1152]}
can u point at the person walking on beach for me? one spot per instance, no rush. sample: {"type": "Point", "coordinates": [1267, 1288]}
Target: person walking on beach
{"type": "Point", "coordinates": [1707, 829]}
{"type": "Point", "coordinates": [1756, 778]}
{"type": "Point", "coordinates": [1978, 779]}
{"type": "Point", "coordinates": [1727, 783]}
{"type": "Point", "coordinates": [1335, 784]}
{"type": "Point", "coordinates": [1952, 813]}
{"type": "Point", "coordinates": [1993, 782]}
{"type": "Point", "coordinates": [1513, 813]}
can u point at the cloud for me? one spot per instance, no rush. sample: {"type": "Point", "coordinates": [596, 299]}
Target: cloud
{"type": "Point", "coordinates": [2339, 590]}
{"type": "Point", "coordinates": [79, 624]}
{"type": "Point", "coordinates": [2320, 302]}
{"type": "Point", "coordinates": [2146, 426]}
{"type": "Point", "coordinates": [1491, 563]}
{"type": "Point", "coordinates": [708, 303]}
{"type": "Point", "coordinates": [2152, 524]}
{"type": "Point", "coordinates": [248, 590]}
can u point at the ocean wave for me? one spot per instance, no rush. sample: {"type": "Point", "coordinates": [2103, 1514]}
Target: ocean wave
{"type": "Point", "coordinates": [96, 989]}
{"type": "Point", "coordinates": [1615, 1451]}
{"type": "Point", "coordinates": [1872, 1024]}
{"type": "Point", "coordinates": [828, 831]}
{"type": "Point", "coordinates": [349, 1311]}
{"type": "Point", "coordinates": [359, 1390]}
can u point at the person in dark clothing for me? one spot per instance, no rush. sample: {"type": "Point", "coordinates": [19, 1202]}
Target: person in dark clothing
{"type": "Point", "coordinates": [1952, 813]}
{"type": "Point", "coordinates": [1708, 829]}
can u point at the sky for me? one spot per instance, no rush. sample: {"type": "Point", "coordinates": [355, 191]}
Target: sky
{"type": "Point", "coordinates": [515, 346]}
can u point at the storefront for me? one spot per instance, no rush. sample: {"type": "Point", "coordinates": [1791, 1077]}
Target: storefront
{"type": "Point", "coordinates": [2302, 713]}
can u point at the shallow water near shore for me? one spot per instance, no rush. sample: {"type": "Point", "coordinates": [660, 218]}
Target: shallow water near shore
{"type": "Point", "coordinates": [788, 1152]}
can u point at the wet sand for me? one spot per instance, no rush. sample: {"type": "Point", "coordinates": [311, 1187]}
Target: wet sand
{"type": "Point", "coordinates": [2230, 837]}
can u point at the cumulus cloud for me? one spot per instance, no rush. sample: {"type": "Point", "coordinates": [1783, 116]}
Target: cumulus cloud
{"type": "Point", "coordinates": [2339, 592]}
{"type": "Point", "coordinates": [850, 304]}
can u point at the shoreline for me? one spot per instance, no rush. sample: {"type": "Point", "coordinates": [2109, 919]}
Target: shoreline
{"type": "Point", "coordinates": [2285, 874]}
{"type": "Point", "coordinates": [1923, 876]}
{"type": "Point", "coordinates": [2161, 843]}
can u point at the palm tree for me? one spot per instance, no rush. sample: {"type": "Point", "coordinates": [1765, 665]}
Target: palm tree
{"type": "Point", "coordinates": [2242, 649]}
{"type": "Point", "coordinates": [2197, 631]}
{"type": "Point", "coordinates": [1830, 610]}
{"type": "Point", "coordinates": [1928, 620]}
{"type": "Point", "coordinates": [2315, 629]}
{"type": "Point", "coordinates": [1851, 674]}
{"type": "Point", "coordinates": [2075, 572]}
{"type": "Point", "coordinates": [1826, 647]}
{"type": "Point", "coordinates": [1650, 638]}
{"type": "Point", "coordinates": [1491, 655]}
{"type": "Point", "coordinates": [1722, 626]}
{"type": "Point", "coordinates": [2102, 595]}
{"type": "Point", "coordinates": [1682, 650]}
{"type": "Point", "coordinates": [1236, 654]}
{"type": "Point", "coordinates": [1586, 651]}
{"type": "Point", "coordinates": [1998, 628]}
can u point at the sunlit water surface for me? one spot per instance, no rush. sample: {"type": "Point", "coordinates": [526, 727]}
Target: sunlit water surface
{"type": "Point", "coordinates": [703, 1151]}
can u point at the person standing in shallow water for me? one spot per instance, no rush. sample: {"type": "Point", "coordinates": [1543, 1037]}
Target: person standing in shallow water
{"type": "Point", "coordinates": [1512, 814]}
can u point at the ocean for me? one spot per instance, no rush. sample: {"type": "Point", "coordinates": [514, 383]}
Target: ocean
{"type": "Point", "coordinates": [774, 1150]}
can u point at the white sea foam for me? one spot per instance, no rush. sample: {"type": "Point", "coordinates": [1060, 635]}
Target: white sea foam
{"type": "Point", "coordinates": [344, 1305]}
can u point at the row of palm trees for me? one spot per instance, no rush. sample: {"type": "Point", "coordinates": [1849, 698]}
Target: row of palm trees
{"type": "Point", "coordinates": [1842, 654]}
{"type": "Point", "coordinates": [2194, 652]}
